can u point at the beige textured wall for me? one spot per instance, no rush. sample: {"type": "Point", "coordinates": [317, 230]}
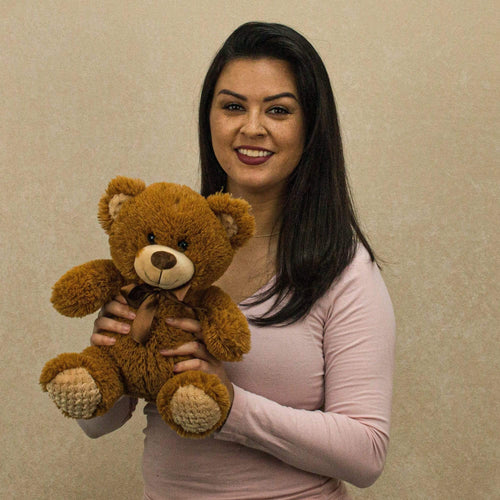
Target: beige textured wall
{"type": "Point", "coordinates": [93, 89]}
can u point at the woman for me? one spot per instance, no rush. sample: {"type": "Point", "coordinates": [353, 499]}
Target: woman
{"type": "Point", "coordinates": [311, 401]}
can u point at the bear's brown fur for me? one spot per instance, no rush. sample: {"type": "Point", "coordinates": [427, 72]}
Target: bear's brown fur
{"type": "Point", "coordinates": [173, 244]}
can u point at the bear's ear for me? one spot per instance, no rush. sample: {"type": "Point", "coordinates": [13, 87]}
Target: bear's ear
{"type": "Point", "coordinates": [120, 189]}
{"type": "Point", "coordinates": [234, 215]}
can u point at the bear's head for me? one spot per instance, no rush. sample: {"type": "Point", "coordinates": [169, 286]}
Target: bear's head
{"type": "Point", "coordinates": [169, 236]}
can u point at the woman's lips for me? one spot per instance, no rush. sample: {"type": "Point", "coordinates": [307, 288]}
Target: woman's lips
{"type": "Point", "coordinates": [251, 156]}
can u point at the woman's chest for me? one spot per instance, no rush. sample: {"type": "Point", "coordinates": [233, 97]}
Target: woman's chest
{"type": "Point", "coordinates": [251, 268]}
{"type": "Point", "coordinates": [285, 365]}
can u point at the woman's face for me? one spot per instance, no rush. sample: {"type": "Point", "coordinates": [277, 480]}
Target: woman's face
{"type": "Point", "coordinates": [257, 125]}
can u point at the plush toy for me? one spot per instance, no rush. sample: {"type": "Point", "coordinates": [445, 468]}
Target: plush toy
{"type": "Point", "coordinates": [168, 246]}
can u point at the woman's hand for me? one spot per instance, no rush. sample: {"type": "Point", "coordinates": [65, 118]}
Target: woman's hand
{"type": "Point", "coordinates": [202, 360]}
{"type": "Point", "coordinates": [117, 307]}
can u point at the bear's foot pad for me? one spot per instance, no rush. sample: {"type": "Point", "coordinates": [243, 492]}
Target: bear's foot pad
{"type": "Point", "coordinates": [75, 393]}
{"type": "Point", "coordinates": [194, 410]}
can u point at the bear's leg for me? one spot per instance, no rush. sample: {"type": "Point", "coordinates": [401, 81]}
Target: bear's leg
{"type": "Point", "coordinates": [194, 403]}
{"type": "Point", "coordinates": [82, 385]}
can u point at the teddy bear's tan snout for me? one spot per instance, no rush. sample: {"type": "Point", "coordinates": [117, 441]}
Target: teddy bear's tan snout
{"type": "Point", "coordinates": [163, 267]}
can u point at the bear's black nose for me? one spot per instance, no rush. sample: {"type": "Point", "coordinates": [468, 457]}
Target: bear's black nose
{"type": "Point", "coordinates": [163, 260]}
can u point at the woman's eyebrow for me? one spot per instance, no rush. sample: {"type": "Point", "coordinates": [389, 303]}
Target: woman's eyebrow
{"type": "Point", "coordinates": [234, 94]}
{"type": "Point", "coordinates": [277, 96]}
{"type": "Point", "coordinates": [266, 99]}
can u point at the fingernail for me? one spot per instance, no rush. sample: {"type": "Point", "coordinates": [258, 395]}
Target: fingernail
{"type": "Point", "coordinates": [166, 352]}
{"type": "Point", "coordinates": [170, 320]}
{"type": "Point", "coordinates": [175, 368]}
{"type": "Point", "coordinates": [125, 328]}
{"type": "Point", "coordinates": [131, 315]}
{"type": "Point", "coordinates": [112, 340]}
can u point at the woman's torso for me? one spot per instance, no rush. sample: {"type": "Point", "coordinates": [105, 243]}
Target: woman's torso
{"type": "Point", "coordinates": [289, 373]}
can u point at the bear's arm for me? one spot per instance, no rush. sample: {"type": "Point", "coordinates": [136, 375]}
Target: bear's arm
{"type": "Point", "coordinates": [86, 288]}
{"type": "Point", "coordinates": [225, 328]}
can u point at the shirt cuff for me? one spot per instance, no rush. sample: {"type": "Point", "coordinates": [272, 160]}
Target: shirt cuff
{"type": "Point", "coordinates": [230, 430]}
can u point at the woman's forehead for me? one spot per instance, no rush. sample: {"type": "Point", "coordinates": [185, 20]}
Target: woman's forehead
{"type": "Point", "coordinates": [263, 76]}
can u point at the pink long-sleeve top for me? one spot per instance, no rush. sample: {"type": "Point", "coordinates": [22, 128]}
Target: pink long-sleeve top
{"type": "Point", "coordinates": [311, 408]}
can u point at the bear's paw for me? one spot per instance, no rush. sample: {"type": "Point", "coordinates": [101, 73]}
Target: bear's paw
{"type": "Point", "coordinates": [75, 393]}
{"type": "Point", "coordinates": [194, 410]}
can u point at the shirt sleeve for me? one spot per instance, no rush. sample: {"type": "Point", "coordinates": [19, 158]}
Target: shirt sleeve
{"type": "Point", "coordinates": [348, 438]}
{"type": "Point", "coordinates": [115, 418]}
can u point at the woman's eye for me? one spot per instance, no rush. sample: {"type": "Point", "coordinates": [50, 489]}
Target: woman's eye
{"type": "Point", "coordinates": [279, 110]}
{"type": "Point", "coordinates": [152, 238]}
{"type": "Point", "coordinates": [183, 245]}
{"type": "Point", "coordinates": [233, 107]}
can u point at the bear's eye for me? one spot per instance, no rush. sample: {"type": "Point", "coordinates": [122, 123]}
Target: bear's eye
{"type": "Point", "coordinates": [152, 238]}
{"type": "Point", "coordinates": [183, 245]}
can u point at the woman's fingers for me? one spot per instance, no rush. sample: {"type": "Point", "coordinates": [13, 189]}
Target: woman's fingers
{"type": "Point", "coordinates": [190, 349]}
{"type": "Point", "coordinates": [201, 359]}
{"type": "Point", "coordinates": [117, 307]}
{"type": "Point", "coordinates": [98, 339]}
{"type": "Point", "coordinates": [188, 325]}
{"type": "Point", "coordinates": [193, 364]}
{"type": "Point", "coordinates": [110, 325]}
{"type": "Point", "coordinates": [121, 298]}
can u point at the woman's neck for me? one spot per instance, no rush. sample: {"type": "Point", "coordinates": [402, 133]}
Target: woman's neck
{"type": "Point", "coordinates": [266, 210]}
{"type": "Point", "coordinates": [267, 218]}
{"type": "Point", "coordinates": [255, 263]}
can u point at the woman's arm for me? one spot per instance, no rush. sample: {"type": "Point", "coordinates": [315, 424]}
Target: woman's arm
{"type": "Point", "coordinates": [125, 406]}
{"type": "Point", "coordinates": [110, 421]}
{"type": "Point", "coordinates": [348, 439]}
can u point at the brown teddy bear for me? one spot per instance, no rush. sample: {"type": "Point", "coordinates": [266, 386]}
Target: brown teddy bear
{"type": "Point", "coordinates": [168, 246]}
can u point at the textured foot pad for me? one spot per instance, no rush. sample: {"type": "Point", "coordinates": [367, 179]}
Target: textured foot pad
{"type": "Point", "coordinates": [194, 410]}
{"type": "Point", "coordinates": [75, 393]}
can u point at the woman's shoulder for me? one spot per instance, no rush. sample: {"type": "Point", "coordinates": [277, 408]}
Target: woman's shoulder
{"type": "Point", "coordinates": [361, 257]}
{"type": "Point", "coordinates": [361, 266]}
{"type": "Point", "coordinates": [358, 296]}
{"type": "Point", "coordinates": [361, 274]}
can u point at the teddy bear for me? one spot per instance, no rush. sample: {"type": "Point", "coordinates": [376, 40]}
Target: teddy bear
{"type": "Point", "coordinates": [168, 245]}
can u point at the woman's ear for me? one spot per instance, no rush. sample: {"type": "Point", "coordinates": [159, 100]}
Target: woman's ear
{"type": "Point", "coordinates": [120, 190]}
{"type": "Point", "coordinates": [234, 215]}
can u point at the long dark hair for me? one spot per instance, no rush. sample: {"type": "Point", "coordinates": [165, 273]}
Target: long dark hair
{"type": "Point", "coordinates": [319, 231]}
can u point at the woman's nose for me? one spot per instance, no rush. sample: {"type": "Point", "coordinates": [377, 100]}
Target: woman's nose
{"type": "Point", "coordinates": [253, 125]}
